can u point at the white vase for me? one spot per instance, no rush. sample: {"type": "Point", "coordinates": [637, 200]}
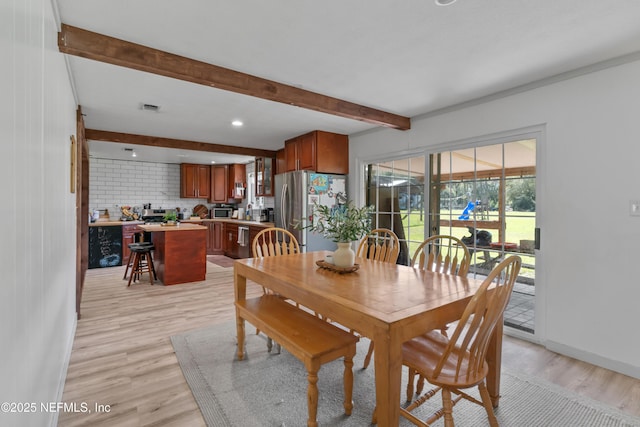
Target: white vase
{"type": "Point", "coordinates": [344, 256]}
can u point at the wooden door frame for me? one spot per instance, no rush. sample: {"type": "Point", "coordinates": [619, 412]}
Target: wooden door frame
{"type": "Point", "coordinates": [82, 207]}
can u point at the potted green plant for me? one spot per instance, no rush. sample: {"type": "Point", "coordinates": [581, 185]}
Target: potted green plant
{"type": "Point", "coordinates": [343, 224]}
{"type": "Point", "coordinates": [170, 218]}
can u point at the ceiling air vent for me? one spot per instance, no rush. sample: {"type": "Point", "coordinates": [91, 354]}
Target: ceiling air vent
{"type": "Point", "coordinates": [149, 107]}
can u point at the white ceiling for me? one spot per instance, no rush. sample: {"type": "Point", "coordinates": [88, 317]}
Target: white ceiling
{"type": "Point", "coordinates": [408, 57]}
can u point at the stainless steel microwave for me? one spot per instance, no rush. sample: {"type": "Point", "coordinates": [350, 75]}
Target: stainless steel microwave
{"type": "Point", "coordinates": [221, 212]}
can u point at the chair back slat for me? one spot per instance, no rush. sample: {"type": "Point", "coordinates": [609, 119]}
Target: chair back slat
{"type": "Point", "coordinates": [380, 251]}
{"type": "Point", "coordinates": [381, 244]}
{"type": "Point", "coordinates": [274, 241]}
{"type": "Point", "coordinates": [442, 254]}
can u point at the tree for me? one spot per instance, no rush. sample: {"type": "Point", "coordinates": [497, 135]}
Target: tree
{"type": "Point", "coordinates": [521, 194]}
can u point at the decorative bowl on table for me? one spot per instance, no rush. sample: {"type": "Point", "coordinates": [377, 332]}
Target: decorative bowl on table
{"type": "Point", "coordinates": [340, 270]}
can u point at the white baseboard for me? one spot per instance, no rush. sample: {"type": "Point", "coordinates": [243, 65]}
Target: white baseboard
{"type": "Point", "coordinates": [65, 368]}
{"type": "Point", "coordinates": [594, 359]}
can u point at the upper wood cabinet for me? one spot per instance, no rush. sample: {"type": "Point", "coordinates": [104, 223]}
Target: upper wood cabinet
{"type": "Point", "coordinates": [264, 172]}
{"type": "Point", "coordinates": [195, 181]}
{"type": "Point", "coordinates": [219, 184]}
{"type": "Point", "coordinates": [281, 164]}
{"type": "Point", "coordinates": [318, 151]}
{"type": "Point", "coordinates": [237, 181]}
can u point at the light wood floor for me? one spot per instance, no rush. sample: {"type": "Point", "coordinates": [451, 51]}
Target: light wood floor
{"type": "Point", "coordinates": [122, 355]}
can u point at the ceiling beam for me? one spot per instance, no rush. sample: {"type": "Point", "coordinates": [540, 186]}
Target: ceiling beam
{"type": "Point", "coordinates": [87, 44]}
{"type": "Point", "coordinates": [155, 141]}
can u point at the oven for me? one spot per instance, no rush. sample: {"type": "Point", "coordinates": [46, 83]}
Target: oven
{"type": "Point", "coordinates": [221, 212]}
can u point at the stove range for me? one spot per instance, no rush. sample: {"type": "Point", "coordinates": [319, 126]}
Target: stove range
{"type": "Point", "coordinates": [154, 216]}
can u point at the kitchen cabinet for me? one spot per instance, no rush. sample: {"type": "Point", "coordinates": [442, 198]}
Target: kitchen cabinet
{"type": "Point", "coordinates": [128, 236]}
{"type": "Point", "coordinates": [231, 234]}
{"type": "Point", "coordinates": [231, 240]}
{"type": "Point", "coordinates": [318, 151]}
{"type": "Point", "coordinates": [218, 244]}
{"type": "Point", "coordinates": [195, 181]}
{"type": "Point", "coordinates": [281, 164]}
{"type": "Point", "coordinates": [180, 254]}
{"type": "Point", "coordinates": [219, 184]}
{"type": "Point", "coordinates": [264, 173]}
{"type": "Point", "coordinates": [233, 247]}
{"type": "Point", "coordinates": [214, 238]}
{"type": "Point", "coordinates": [237, 181]}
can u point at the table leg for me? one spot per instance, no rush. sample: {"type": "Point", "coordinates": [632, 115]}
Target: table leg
{"type": "Point", "coordinates": [388, 364]}
{"type": "Point", "coordinates": [240, 291]}
{"type": "Point", "coordinates": [240, 336]}
{"type": "Point", "coordinates": [494, 359]}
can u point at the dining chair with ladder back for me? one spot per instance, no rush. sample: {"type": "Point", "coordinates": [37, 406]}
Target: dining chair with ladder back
{"type": "Point", "coordinates": [444, 254]}
{"type": "Point", "coordinates": [459, 362]}
{"type": "Point", "coordinates": [381, 244]}
{"type": "Point", "coordinates": [273, 241]}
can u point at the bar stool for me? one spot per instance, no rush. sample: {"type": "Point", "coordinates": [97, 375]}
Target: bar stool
{"type": "Point", "coordinates": [138, 241]}
{"type": "Point", "coordinates": [142, 262]}
{"type": "Point", "coordinates": [132, 255]}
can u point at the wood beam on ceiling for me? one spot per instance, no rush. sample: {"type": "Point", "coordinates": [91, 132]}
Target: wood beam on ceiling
{"type": "Point", "coordinates": [95, 46]}
{"type": "Point", "coordinates": [155, 141]}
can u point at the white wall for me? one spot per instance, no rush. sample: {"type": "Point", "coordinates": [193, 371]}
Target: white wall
{"type": "Point", "coordinates": [590, 243]}
{"type": "Point", "coordinates": [37, 258]}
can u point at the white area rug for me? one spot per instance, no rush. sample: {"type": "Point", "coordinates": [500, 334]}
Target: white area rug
{"type": "Point", "coordinates": [270, 390]}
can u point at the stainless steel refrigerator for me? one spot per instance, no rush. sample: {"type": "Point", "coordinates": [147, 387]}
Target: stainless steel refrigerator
{"type": "Point", "coordinates": [296, 193]}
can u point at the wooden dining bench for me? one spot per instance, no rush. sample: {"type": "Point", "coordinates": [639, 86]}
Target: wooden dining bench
{"type": "Point", "coordinates": [305, 336]}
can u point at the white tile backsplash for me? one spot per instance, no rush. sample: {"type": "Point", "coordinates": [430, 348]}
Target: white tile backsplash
{"type": "Point", "coordinates": [114, 183]}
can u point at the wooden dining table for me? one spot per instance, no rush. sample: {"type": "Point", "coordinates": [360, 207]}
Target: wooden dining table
{"type": "Point", "coordinates": [387, 303]}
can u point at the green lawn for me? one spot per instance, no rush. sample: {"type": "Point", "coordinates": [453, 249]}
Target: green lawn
{"type": "Point", "coordinates": [519, 226]}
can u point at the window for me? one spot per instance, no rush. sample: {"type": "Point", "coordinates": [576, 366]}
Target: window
{"type": "Point", "coordinates": [251, 189]}
{"type": "Point", "coordinates": [396, 190]}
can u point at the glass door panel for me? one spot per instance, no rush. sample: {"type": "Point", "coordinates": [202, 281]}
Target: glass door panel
{"type": "Point", "coordinates": [484, 195]}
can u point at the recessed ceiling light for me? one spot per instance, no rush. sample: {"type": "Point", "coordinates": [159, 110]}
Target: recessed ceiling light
{"type": "Point", "coordinates": [237, 123]}
{"type": "Point", "coordinates": [445, 2]}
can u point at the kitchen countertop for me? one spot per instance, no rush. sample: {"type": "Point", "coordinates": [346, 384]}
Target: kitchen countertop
{"type": "Point", "coordinates": [114, 222]}
{"type": "Point", "coordinates": [172, 228]}
{"type": "Point", "coordinates": [233, 221]}
{"type": "Point", "coordinates": [186, 221]}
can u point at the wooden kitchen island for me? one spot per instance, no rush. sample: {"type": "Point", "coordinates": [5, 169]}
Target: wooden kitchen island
{"type": "Point", "coordinates": [180, 254]}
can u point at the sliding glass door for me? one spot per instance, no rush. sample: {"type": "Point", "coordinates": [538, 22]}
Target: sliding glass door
{"type": "Point", "coordinates": [484, 194]}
